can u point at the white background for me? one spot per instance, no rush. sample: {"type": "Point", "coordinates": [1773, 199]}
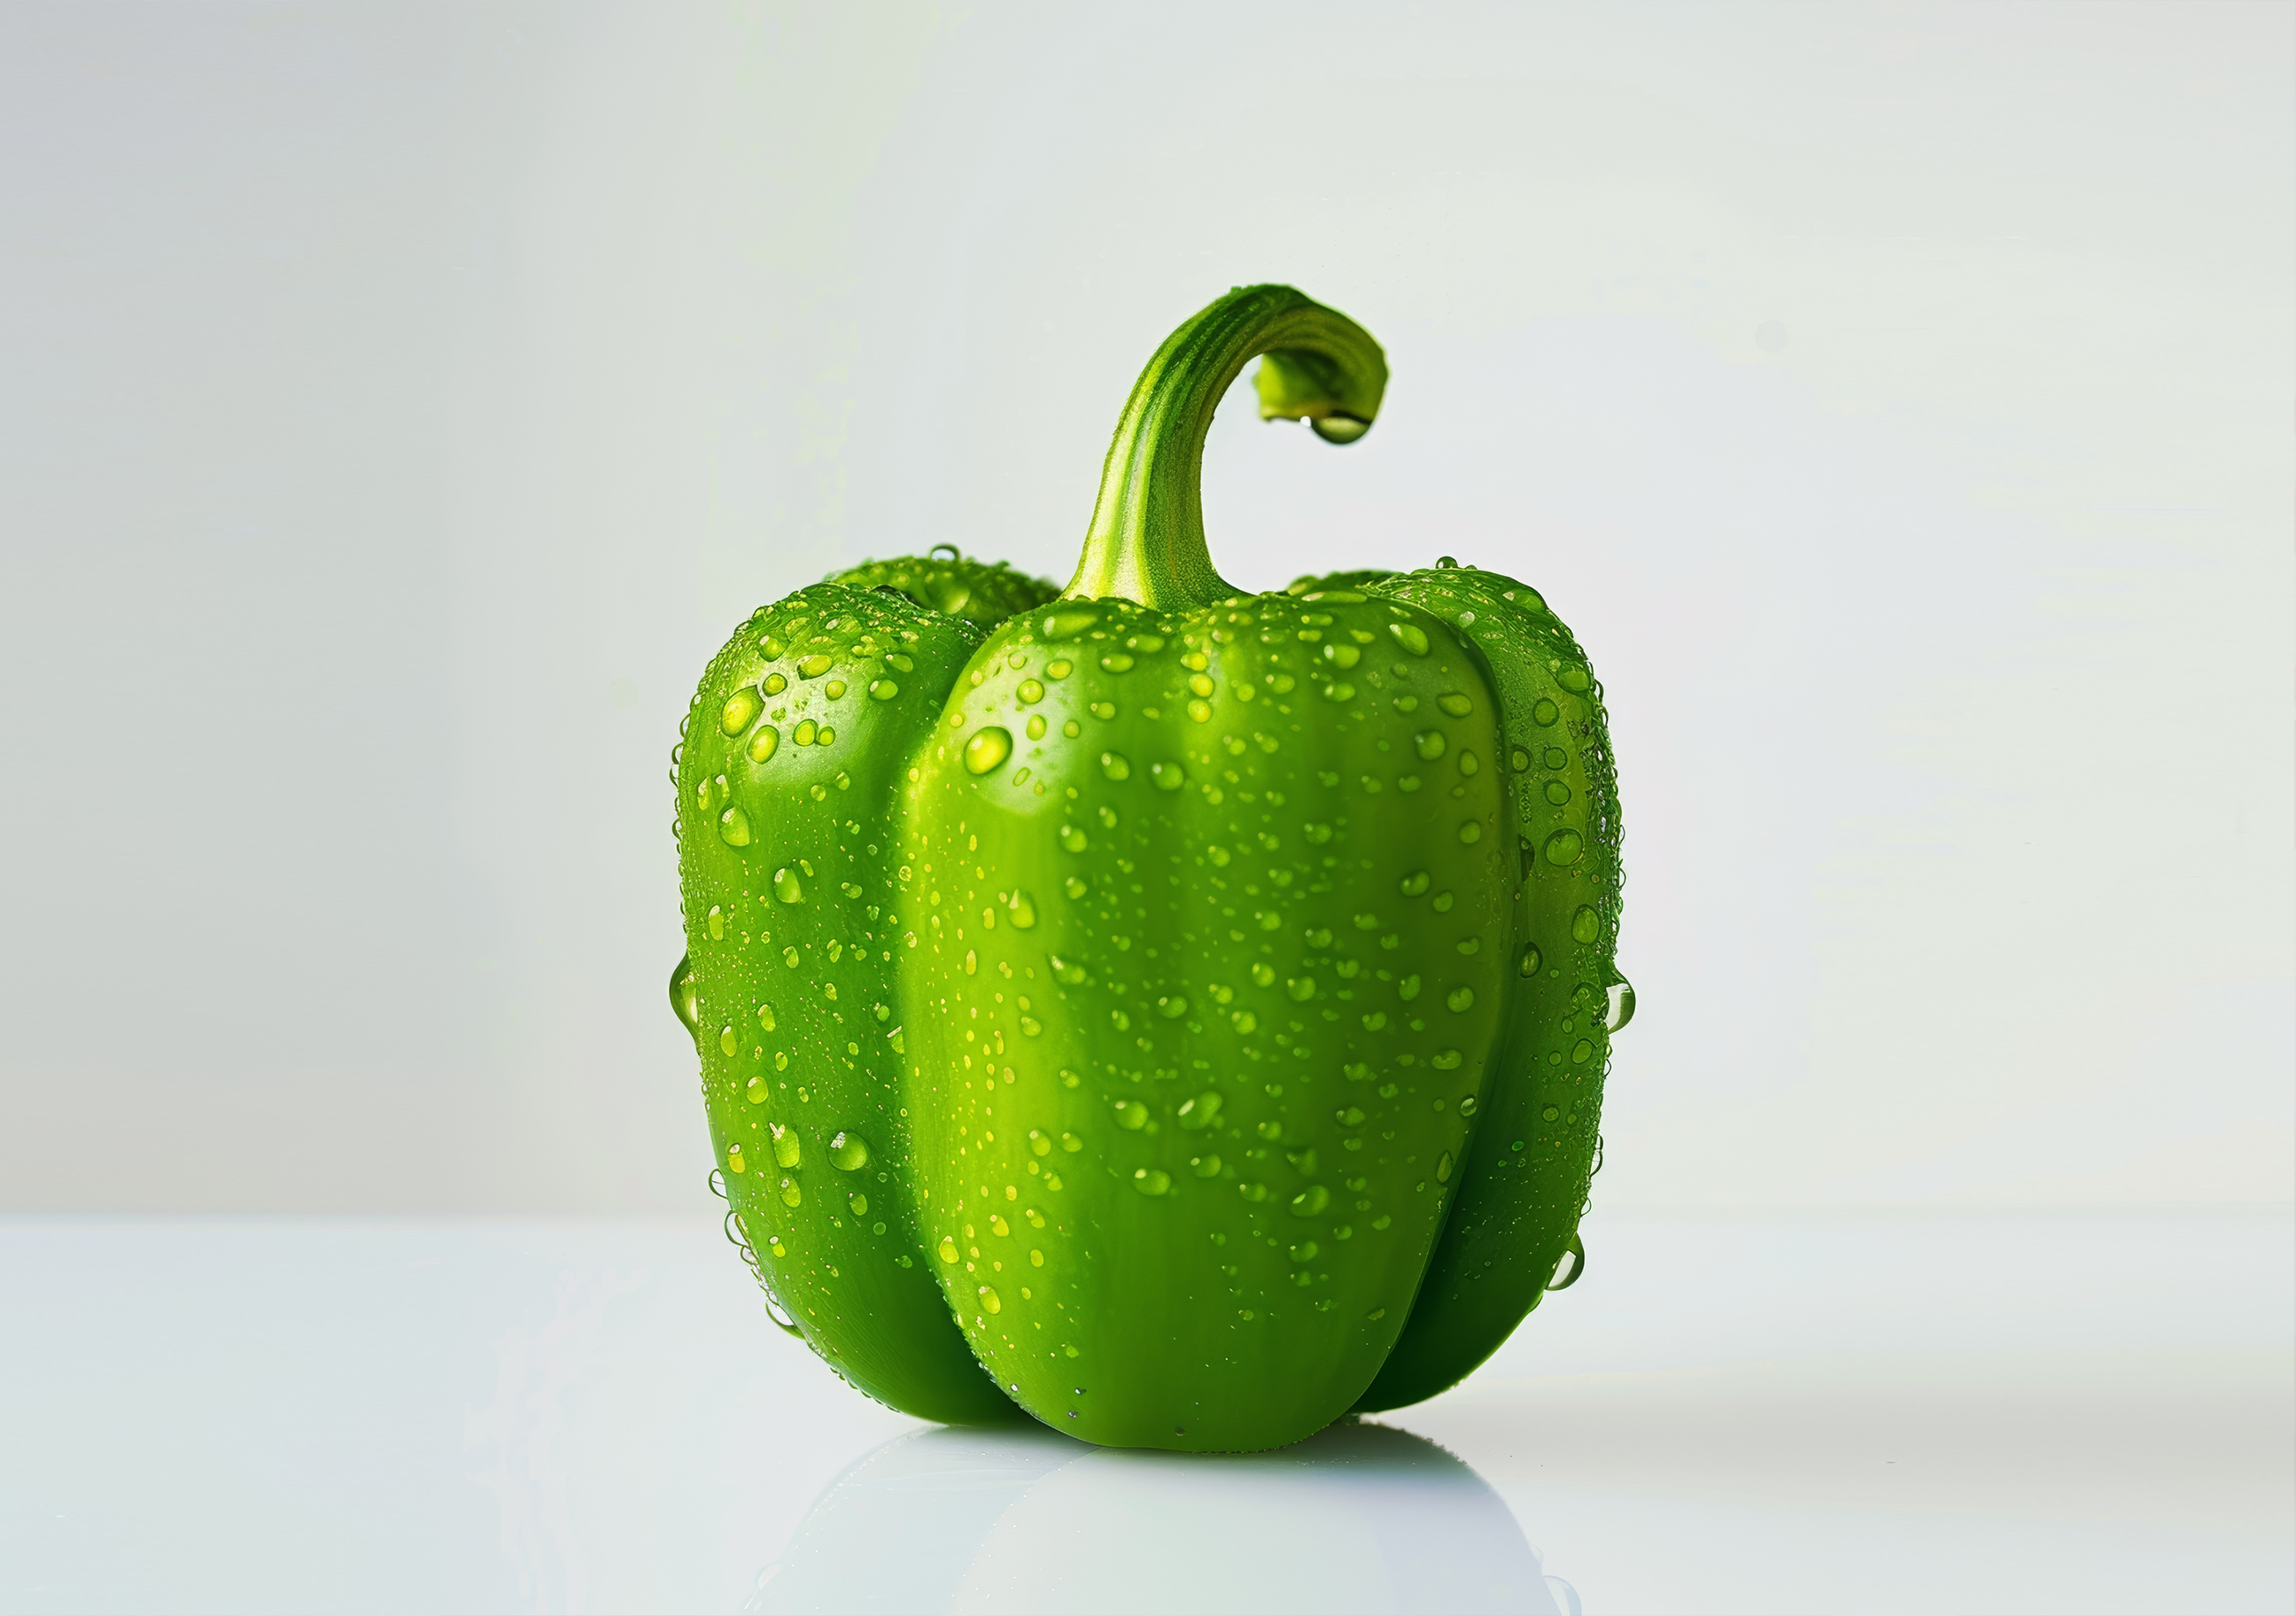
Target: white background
{"type": "Point", "coordinates": [399, 404]}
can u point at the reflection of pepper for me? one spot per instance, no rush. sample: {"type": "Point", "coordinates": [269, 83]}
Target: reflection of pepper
{"type": "Point", "coordinates": [1203, 998]}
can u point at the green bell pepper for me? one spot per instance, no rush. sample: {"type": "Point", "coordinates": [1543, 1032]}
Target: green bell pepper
{"type": "Point", "coordinates": [1190, 1007]}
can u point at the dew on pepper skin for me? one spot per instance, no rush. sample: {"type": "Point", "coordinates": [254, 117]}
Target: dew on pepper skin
{"type": "Point", "coordinates": [1567, 1270]}
{"type": "Point", "coordinates": [987, 749]}
{"type": "Point", "coordinates": [787, 1147]}
{"type": "Point", "coordinates": [1130, 1115]}
{"type": "Point", "coordinates": [741, 708]}
{"type": "Point", "coordinates": [1067, 624]}
{"type": "Point", "coordinates": [685, 995]}
{"type": "Point", "coordinates": [762, 743]}
{"type": "Point", "coordinates": [1310, 1201]}
{"type": "Point", "coordinates": [734, 1159]}
{"type": "Point", "coordinates": [849, 1152]}
{"type": "Point", "coordinates": [1574, 679]}
{"type": "Point", "coordinates": [1031, 691]}
{"type": "Point", "coordinates": [814, 667]}
{"type": "Point", "coordinates": [1036, 726]}
{"type": "Point", "coordinates": [1585, 923]}
{"type": "Point", "coordinates": [991, 1302]}
{"type": "Point", "coordinates": [775, 683]}
{"type": "Point", "coordinates": [730, 1041]}
{"type": "Point", "coordinates": [1544, 712]}
{"type": "Point", "coordinates": [733, 828]}
{"type": "Point", "coordinates": [946, 1249]}
{"type": "Point", "coordinates": [883, 690]}
{"type": "Point", "coordinates": [1151, 1180]}
{"type": "Point", "coordinates": [1072, 1144]}
{"type": "Point", "coordinates": [998, 1226]}
{"type": "Point", "coordinates": [803, 735]}
{"type": "Point", "coordinates": [1459, 998]}
{"type": "Point", "coordinates": [1115, 765]}
{"type": "Point", "coordinates": [1527, 965]}
{"type": "Point", "coordinates": [1116, 661]}
{"type": "Point", "coordinates": [1205, 1166]}
{"type": "Point", "coordinates": [1022, 911]}
{"type": "Point", "coordinates": [1621, 1006]}
{"type": "Point", "coordinates": [1201, 1112]}
{"type": "Point", "coordinates": [1470, 832]}
{"type": "Point", "coordinates": [1038, 1144]}
{"type": "Point", "coordinates": [1467, 1105]}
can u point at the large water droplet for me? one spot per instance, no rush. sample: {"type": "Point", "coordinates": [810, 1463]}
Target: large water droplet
{"type": "Point", "coordinates": [1573, 1263]}
{"type": "Point", "coordinates": [1621, 1008]}
{"type": "Point", "coordinates": [1527, 965]}
{"type": "Point", "coordinates": [1201, 1112]}
{"type": "Point", "coordinates": [1023, 910]}
{"type": "Point", "coordinates": [1067, 623]}
{"type": "Point", "coordinates": [1564, 847]}
{"type": "Point", "coordinates": [685, 994]}
{"type": "Point", "coordinates": [787, 1148]}
{"type": "Point", "coordinates": [991, 1302]}
{"type": "Point", "coordinates": [762, 743]}
{"type": "Point", "coordinates": [1443, 1168]}
{"type": "Point", "coordinates": [1586, 924]}
{"type": "Point", "coordinates": [1339, 428]}
{"type": "Point", "coordinates": [1573, 678]}
{"type": "Point", "coordinates": [987, 749]}
{"type": "Point", "coordinates": [733, 828]}
{"type": "Point", "coordinates": [1131, 1114]}
{"type": "Point", "coordinates": [946, 1249]}
{"type": "Point", "coordinates": [1114, 766]}
{"type": "Point", "coordinates": [740, 708]}
{"type": "Point", "coordinates": [729, 1041]}
{"type": "Point", "coordinates": [849, 1152]}
{"type": "Point", "coordinates": [1544, 712]}
{"type": "Point", "coordinates": [787, 887]}
{"type": "Point", "coordinates": [1310, 1200]}
{"type": "Point", "coordinates": [1151, 1180]}
{"type": "Point", "coordinates": [1429, 743]}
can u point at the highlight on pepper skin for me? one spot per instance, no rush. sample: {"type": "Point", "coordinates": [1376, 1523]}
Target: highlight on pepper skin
{"type": "Point", "coordinates": [1174, 1014]}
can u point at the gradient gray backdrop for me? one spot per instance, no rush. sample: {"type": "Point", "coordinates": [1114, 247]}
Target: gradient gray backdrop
{"type": "Point", "coordinates": [398, 404]}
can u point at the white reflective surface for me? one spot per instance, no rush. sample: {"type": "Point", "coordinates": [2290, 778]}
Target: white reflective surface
{"type": "Point", "coordinates": [1885, 1413]}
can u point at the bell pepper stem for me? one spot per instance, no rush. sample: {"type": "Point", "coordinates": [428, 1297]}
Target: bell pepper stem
{"type": "Point", "coordinates": [1146, 543]}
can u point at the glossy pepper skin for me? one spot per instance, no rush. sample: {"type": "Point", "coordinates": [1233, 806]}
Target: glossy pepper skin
{"type": "Point", "coordinates": [1189, 1007]}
